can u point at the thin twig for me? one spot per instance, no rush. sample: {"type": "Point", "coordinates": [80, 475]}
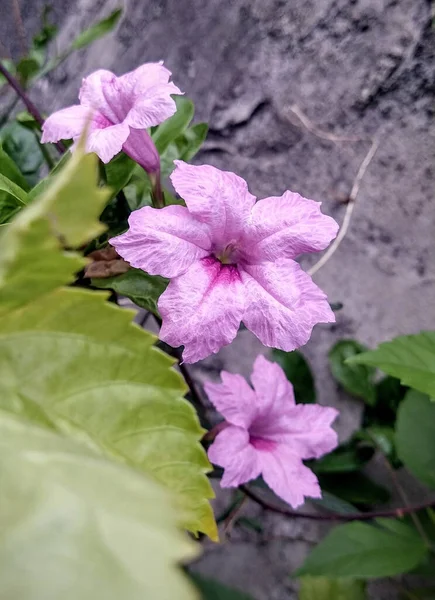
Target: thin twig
{"type": "Point", "coordinates": [394, 512]}
{"type": "Point", "coordinates": [231, 518]}
{"type": "Point", "coordinates": [324, 135]}
{"type": "Point", "coordinates": [349, 209]}
{"type": "Point", "coordinates": [15, 85]}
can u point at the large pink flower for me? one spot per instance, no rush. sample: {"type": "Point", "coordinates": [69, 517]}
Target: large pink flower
{"type": "Point", "coordinates": [268, 434]}
{"type": "Point", "coordinates": [231, 259]}
{"type": "Point", "coordinates": [120, 109]}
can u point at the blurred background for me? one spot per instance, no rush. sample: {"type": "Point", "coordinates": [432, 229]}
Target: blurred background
{"type": "Point", "coordinates": [294, 93]}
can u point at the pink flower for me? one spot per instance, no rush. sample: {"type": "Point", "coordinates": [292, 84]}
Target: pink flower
{"type": "Point", "coordinates": [230, 259]}
{"type": "Point", "coordinates": [120, 109]}
{"type": "Point", "coordinates": [268, 434]}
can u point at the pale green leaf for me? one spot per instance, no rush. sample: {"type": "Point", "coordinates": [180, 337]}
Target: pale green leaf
{"type": "Point", "coordinates": [356, 379]}
{"type": "Point", "coordinates": [170, 129]}
{"type": "Point", "coordinates": [410, 358]}
{"type": "Point", "coordinates": [97, 31]}
{"type": "Point", "coordinates": [8, 186]}
{"type": "Point", "coordinates": [323, 588]}
{"type": "Point", "coordinates": [415, 436]}
{"type": "Point", "coordinates": [75, 525]}
{"type": "Point", "coordinates": [9, 169]}
{"type": "Point", "coordinates": [361, 550]}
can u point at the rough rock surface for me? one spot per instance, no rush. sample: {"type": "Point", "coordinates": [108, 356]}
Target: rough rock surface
{"type": "Point", "coordinates": [355, 68]}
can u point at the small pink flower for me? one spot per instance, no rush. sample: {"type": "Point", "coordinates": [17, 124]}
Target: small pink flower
{"type": "Point", "coordinates": [120, 109]}
{"type": "Point", "coordinates": [231, 259]}
{"type": "Point", "coordinates": [268, 434]}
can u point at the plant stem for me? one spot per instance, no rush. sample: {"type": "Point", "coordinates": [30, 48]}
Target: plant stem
{"type": "Point", "coordinates": [394, 512]}
{"type": "Point", "coordinates": [16, 86]}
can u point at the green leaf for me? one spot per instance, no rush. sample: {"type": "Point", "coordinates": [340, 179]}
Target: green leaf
{"type": "Point", "coordinates": [143, 289]}
{"type": "Point", "coordinates": [184, 147]}
{"type": "Point", "coordinates": [27, 68]}
{"type": "Point", "coordinates": [355, 488]}
{"type": "Point", "coordinates": [334, 504]}
{"type": "Point", "coordinates": [211, 589]}
{"type": "Point", "coordinates": [415, 436]}
{"type": "Point", "coordinates": [119, 171]}
{"type": "Point", "coordinates": [75, 363]}
{"type": "Point", "coordinates": [23, 148]}
{"type": "Point", "coordinates": [410, 358]}
{"type": "Point", "coordinates": [360, 550]}
{"type": "Point", "coordinates": [8, 186]}
{"type": "Point", "coordinates": [75, 525]}
{"type": "Point", "coordinates": [97, 31]}
{"type": "Point", "coordinates": [345, 459]}
{"type": "Point", "coordinates": [45, 183]}
{"type": "Point", "coordinates": [173, 127]}
{"type": "Point", "coordinates": [323, 588]}
{"type": "Point", "coordinates": [10, 170]}
{"type": "Point", "coordinates": [357, 380]}
{"type": "Point", "coordinates": [298, 373]}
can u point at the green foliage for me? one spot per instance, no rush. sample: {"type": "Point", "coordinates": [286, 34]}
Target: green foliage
{"type": "Point", "coordinates": [176, 125]}
{"type": "Point", "coordinates": [323, 588]}
{"type": "Point", "coordinates": [359, 550]}
{"type": "Point", "coordinates": [415, 436]}
{"type": "Point", "coordinates": [299, 374]}
{"type": "Point", "coordinates": [346, 458]}
{"type": "Point", "coordinates": [118, 172]}
{"type": "Point", "coordinates": [75, 364]}
{"type": "Point", "coordinates": [23, 148]}
{"type": "Point", "coordinates": [12, 197]}
{"type": "Point", "coordinates": [356, 488]}
{"type": "Point", "coordinates": [410, 358]}
{"type": "Point", "coordinates": [143, 289]}
{"type": "Point", "coordinates": [76, 525]}
{"type": "Point", "coordinates": [356, 379]}
{"type": "Point", "coordinates": [9, 169]}
{"type": "Point", "coordinates": [211, 589]}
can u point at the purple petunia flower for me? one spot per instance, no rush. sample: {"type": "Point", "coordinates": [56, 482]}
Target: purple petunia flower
{"type": "Point", "coordinates": [268, 434]}
{"type": "Point", "coordinates": [120, 109]}
{"type": "Point", "coordinates": [230, 259]}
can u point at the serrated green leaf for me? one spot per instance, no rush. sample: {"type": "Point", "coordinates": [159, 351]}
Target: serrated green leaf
{"type": "Point", "coordinates": [83, 369]}
{"type": "Point", "coordinates": [75, 525]}
{"type": "Point", "coordinates": [323, 588]}
{"type": "Point", "coordinates": [173, 127]}
{"type": "Point", "coordinates": [357, 380]}
{"type": "Point", "coordinates": [298, 373]}
{"type": "Point", "coordinates": [410, 358]}
{"type": "Point", "coordinates": [415, 436]}
{"type": "Point", "coordinates": [211, 589]}
{"type": "Point", "coordinates": [143, 289]}
{"type": "Point", "coordinates": [360, 550]}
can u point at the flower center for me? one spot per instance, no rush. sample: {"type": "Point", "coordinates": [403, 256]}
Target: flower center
{"type": "Point", "coordinates": [228, 255]}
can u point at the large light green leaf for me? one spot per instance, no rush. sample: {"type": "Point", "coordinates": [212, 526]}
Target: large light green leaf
{"type": "Point", "coordinates": [74, 363]}
{"type": "Point", "coordinates": [75, 525]}
{"type": "Point", "coordinates": [361, 551]}
{"type": "Point", "coordinates": [410, 358]}
{"type": "Point", "coordinates": [356, 379]}
{"type": "Point", "coordinates": [323, 588]}
{"type": "Point", "coordinates": [415, 436]}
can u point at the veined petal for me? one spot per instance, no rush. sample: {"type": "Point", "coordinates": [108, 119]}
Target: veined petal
{"type": "Point", "coordinates": [286, 226]}
{"type": "Point", "coordinates": [140, 147]}
{"type": "Point", "coordinates": [144, 77]}
{"type": "Point", "coordinates": [232, 451]}
{"type": "Point", "coordinates": [273, 390]}
{"type": "Point", "coordinates": [218, 198]}
{"type": "Point", "coordinates": [202, 309]}
{"type": "Point", "coordinates": [233, 398]}
{"type": "Point", "coordinates": [287, 476]}
{"type": "Point", "coordinates": [65, 124]}
{"type": "Point", "coordinates": [107, 141]}
{"type": "Point", "coordinates": [153, 106]}
{"type": "Point", "coordinates": [283, 304]}
{"type": "Point", "coordinates": [165, 241]}
{"type": "Point", "coordinates": [99, 91]}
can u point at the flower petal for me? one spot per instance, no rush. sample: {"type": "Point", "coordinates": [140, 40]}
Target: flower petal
{"type": "Point", "coordinates": [218, 198]}
{"type": "Point", "coordinates": [65, 124]}
{"type": "Point", "coordinates": [233, 398]}
{"type": "Point", "coordinates": [286, 226]}
{"type": "Point", "coordinates": [107, 141]}
{"type": "Point", "coordinates": [153, 106]}
{"type": "Point", "coordinates": [272, 388]}
{"type": "Point", "coordinates": [306, 429]}
{"type": "Point", "coordinates": [144, 77]}
{"type": "Point", "coordinates": [283, 304]}
{"type": "Point", "coordinates": [232, 451]}
{"type": "Point", "coordinates": [287, 476]}
{"type": "Point", "coordinates": [100, 92]}
{"type": "Point", "coordinates": [140, 147]}
{"type": "Point", "coordinates": [165, 241]}
{"type": "Point", "coordinates": [202, 309]}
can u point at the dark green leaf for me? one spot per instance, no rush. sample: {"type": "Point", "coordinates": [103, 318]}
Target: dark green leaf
{"type": "Point", "coordinates": [183, 148]}
{"type": "Point", "coordinates": [410, 358]}
{"type": "Point", "coordinates": [298, 373]}
{"type": "Point", "coordinates": [250, 523]}
{"type": "Point", "coordinates": [119, 171]}
{"type": "Point", "coordinates": [334, 504]}
{"type": "Point", "coordinates": [361, 550]}
{"type": "Point", "coordinates": [23, 148]}
{"type": "Point", "coordinates": [11, 188]}
{"type": "Point", "coordinates": [415, 436]}
{"type": "Point", "coordinates": [389, 394]}
{"type": "Point", "coordinates": [10, 66]}
{"type": "Point", "coordinates": [26, 120]}
{"type": "Point", "coordinates": [96, 31]}
{"type": "Point", "coordinates": [27, 68]}
{"type": "Point", "coordinates": [10, 170]}
{"type": "Point", "coordinates": [322, 588]}
{"type": "Point", "coordinates": [346, 458]}
{"type": "Point", "coordinates": [173, 127]}
{"type": "Point", "coordinates": [143, 289]}
{"type": "Point", "coordinates": [214, 590]}
{"type": "Point", "coordinates": [357, 380]}
{"type": "Point", "coordinates": [45, 183]}
{"type": "Point", "coordinates": [383, 438]}
{"type": "Point", "coordinates": [355, 488]}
